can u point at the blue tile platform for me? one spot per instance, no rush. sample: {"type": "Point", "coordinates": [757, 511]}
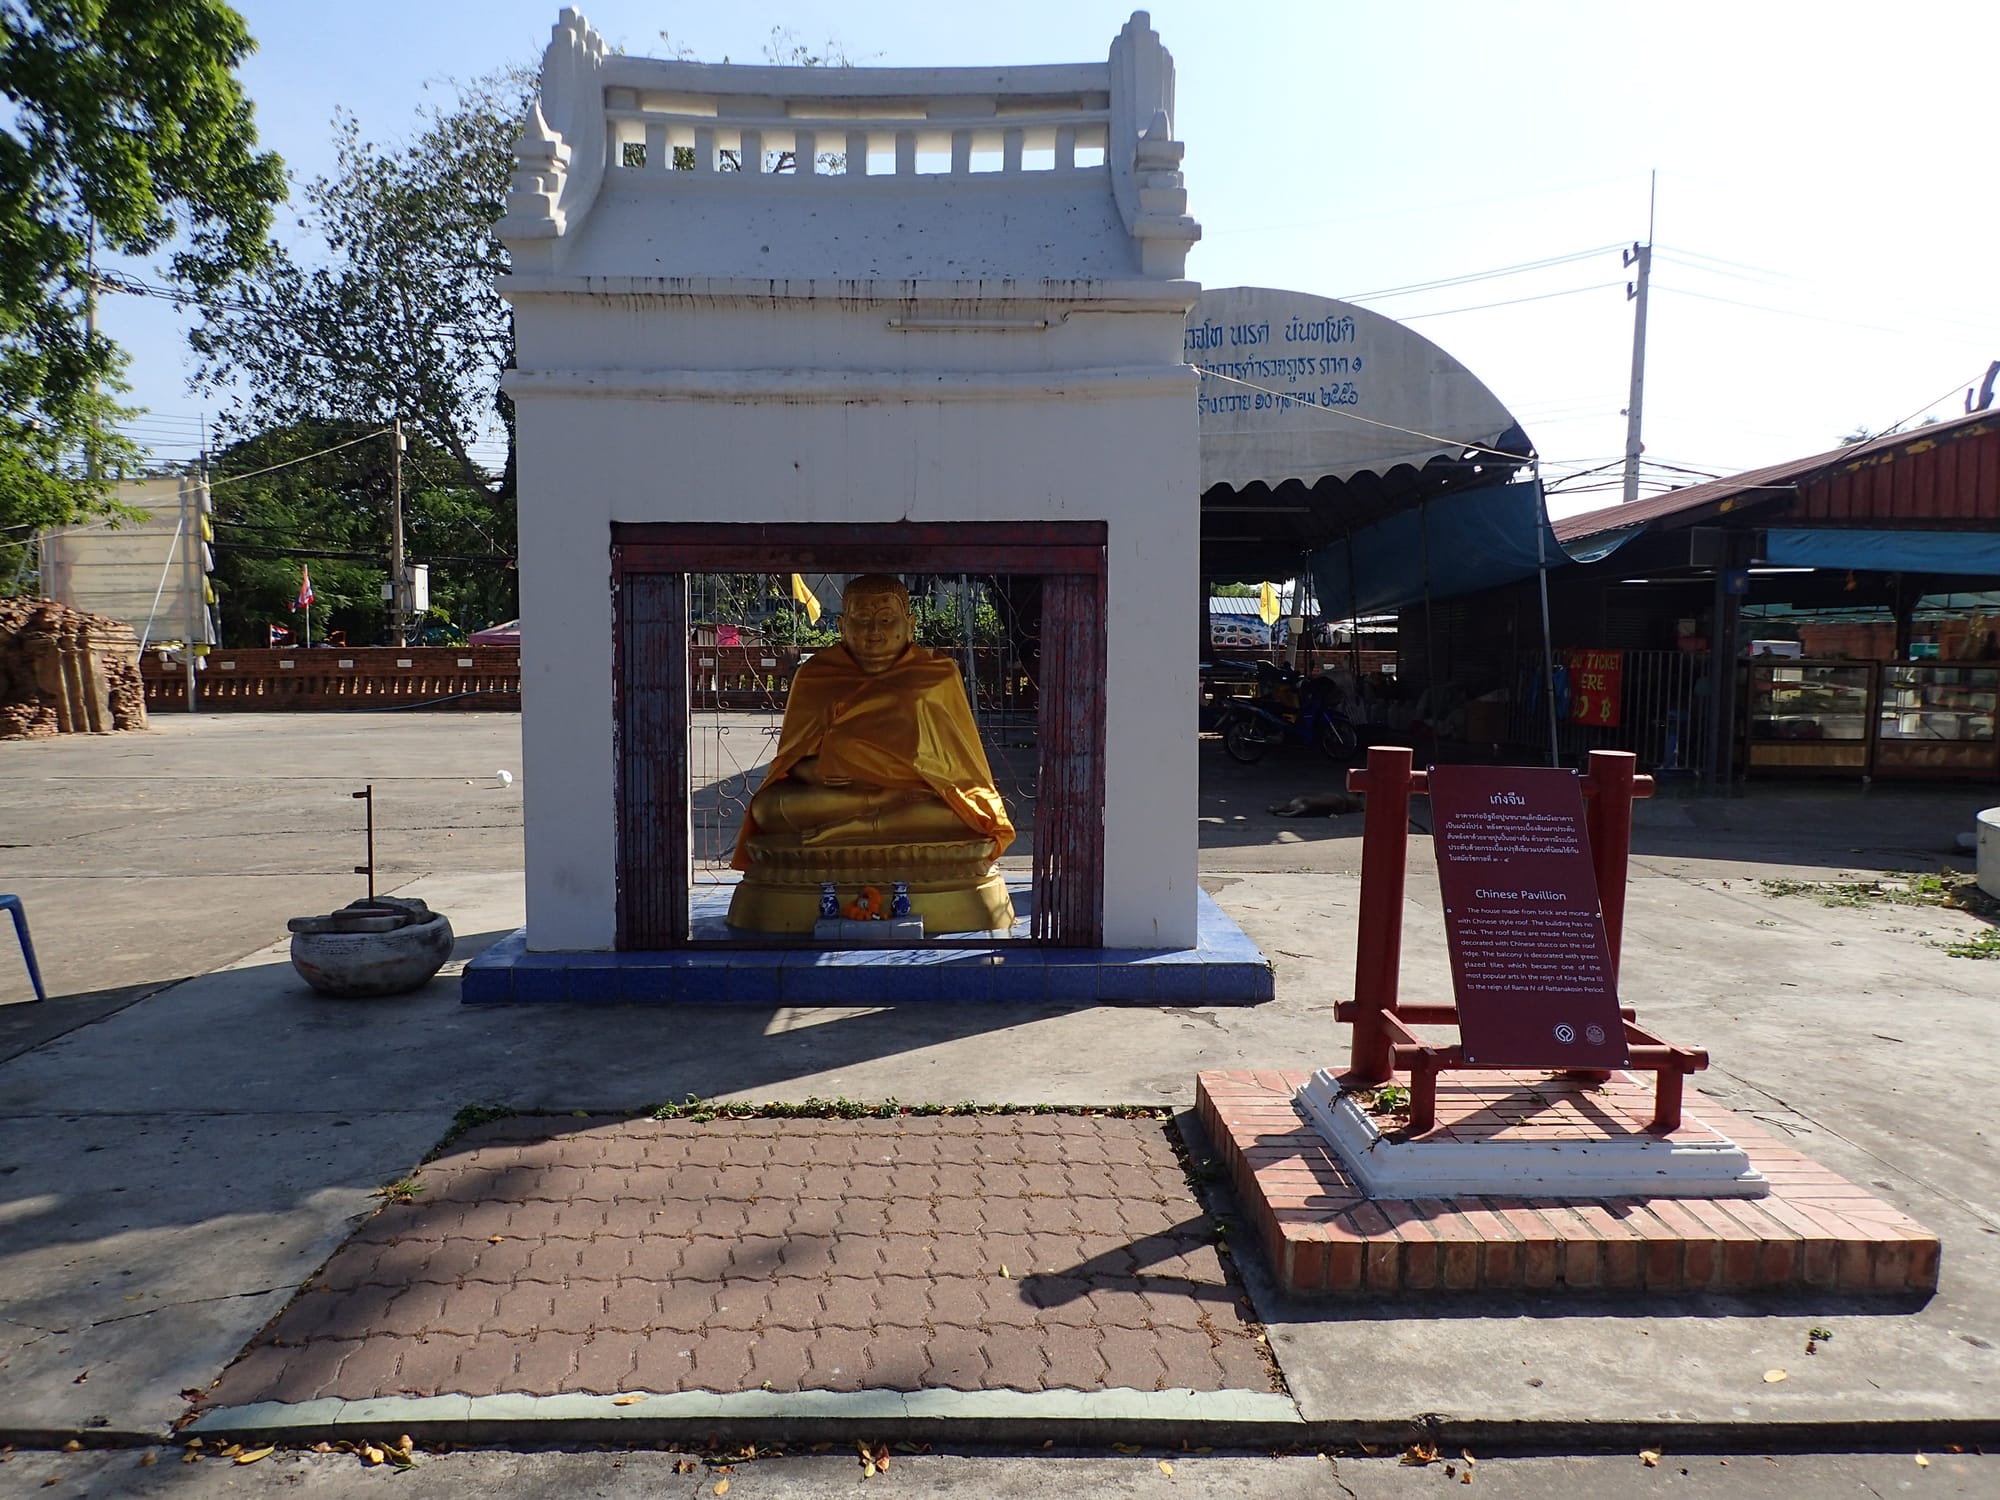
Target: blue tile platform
{"type": "Point", "coordinates": [1223, 968]}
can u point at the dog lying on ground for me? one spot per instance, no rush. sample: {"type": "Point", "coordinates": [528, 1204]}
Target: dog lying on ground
{"type": "Point", "coordinates": [1318, 805]}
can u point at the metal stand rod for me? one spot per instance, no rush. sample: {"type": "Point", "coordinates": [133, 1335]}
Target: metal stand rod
{"type": "Point", "coordinates": [368, 796]}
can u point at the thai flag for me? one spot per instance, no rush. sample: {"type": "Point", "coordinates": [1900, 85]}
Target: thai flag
{"type": "Point", "coordinates": [278, 633]}
{"type": "Point", "coordinates": [305, 599]}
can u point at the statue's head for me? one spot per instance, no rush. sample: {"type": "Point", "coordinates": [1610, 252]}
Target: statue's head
{"type": "Point", "coordinates": [875, 622]}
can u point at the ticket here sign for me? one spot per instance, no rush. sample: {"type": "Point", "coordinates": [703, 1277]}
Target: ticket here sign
{"type": "Point", "coordinates": [1529, 960]}
{"type": "Point", "coordinates": [1596, 686]}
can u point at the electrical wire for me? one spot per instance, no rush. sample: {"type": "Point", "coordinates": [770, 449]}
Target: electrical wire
{"type": "Point", "coordinates": [1510, 302]}
{"type": "Point", "coordinates": [215, 484]}
{"type": "Point", "coordinates": [1429, 437]}
{"type": "Point", "coordinates": [1471, 276]}
{"type": "Point", "coordinates": [1782, 312]}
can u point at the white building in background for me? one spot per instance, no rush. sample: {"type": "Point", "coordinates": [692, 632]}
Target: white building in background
{"type": "Point", "coordinates": [960, 299]}
{"type": "Point", "coordinates": [152, 574]}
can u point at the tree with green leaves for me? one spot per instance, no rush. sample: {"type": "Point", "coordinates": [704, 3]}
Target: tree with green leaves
{"type": "Point", "coordinates": [124, 129]}
{"type": "Point", "coordinates": [404, 317]}
{"type": "Point", "coordinates": [319, 494]}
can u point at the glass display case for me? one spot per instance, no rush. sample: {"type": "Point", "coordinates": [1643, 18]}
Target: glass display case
{"type": "Point", "coordinates": [1809, 715]}
{"type": "Point", "coordinates": [1937, 717]}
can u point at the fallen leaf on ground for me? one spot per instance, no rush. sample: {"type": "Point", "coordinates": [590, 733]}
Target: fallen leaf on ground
{"type": "Point", "coordinates": [1650, 1457]}
{"type": "Point", "coordinates": [1003, 1272]}
{"type": "Point", "coordinates": [1128, 1447]}
{"type": "Point", "coordinates": [371, 1455]}
{"type": "Point", "coordinates": [148, 1459]}
{"type": "Point", "coordinates": [190, 1457]}
{"type": "Point", "coordinates": [722, 1487]}
{"type": "Point", "coordinates": [882, 1457]}
{"type": "Point", "coordinates": [1165, 1467]}
{"type": "Point", "coordinates": [1922, 1462]}
{"type": "Point", "coordinates": [626, 1400]}
{"type": "Point", "coordinates": [1419, 1454]}
{"type": "Point", "coordinates": [494, 1239]}
{"type": "Point", "coordinates": [72, 1446]}
{"type": "Point", "coordinates": [250, 1456]}
{"type": "Point", "coordinates": [1466, 1454]}
{"type": "Point", "coordinates": [1772, 1377]}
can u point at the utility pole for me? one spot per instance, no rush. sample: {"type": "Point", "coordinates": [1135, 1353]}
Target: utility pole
{"type": "Point", "coordinates": [399, 613]}
{"type": "Point", "coordinates": [1635, 293]}
{"type": "Point", "coordinates": [90, 337]}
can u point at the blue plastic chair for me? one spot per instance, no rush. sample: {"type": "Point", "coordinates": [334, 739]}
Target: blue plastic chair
{"type": "Point", "coordinates": [13, 904]}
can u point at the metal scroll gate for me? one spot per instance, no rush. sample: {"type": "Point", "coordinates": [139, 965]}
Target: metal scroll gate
{"type": "Point", "coordinates": [690, 753]}
{"type": "Point", "coordinates": [1660, 713]}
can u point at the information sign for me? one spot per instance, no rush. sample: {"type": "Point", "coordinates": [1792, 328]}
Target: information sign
{"type": "Point", "coordinates": [1529, 961]}
{"type": "Point", "coordinates": [1596, 684]}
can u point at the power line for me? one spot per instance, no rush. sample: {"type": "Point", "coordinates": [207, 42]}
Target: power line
{"type": "Point", "coordinates": [265, 549]}
{"type": "Point", "coordinates": [1471, 276]}
{"type": "Point", "coordinates": [1783, 312]}
{"type": "Point", "coordinates": [305, 458]}
{"type": "Point", "coordinates": [1509, 302]}
{"type": "Point", "coordinates": [1334, 411]}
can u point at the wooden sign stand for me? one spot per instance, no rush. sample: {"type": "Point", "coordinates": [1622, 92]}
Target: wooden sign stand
{"type": "Point", "coordinates": [1383, 1041]}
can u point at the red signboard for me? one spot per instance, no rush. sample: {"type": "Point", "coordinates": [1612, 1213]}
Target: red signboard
{"type": "Point", "coordinates": [1596, 680]}
{"type": "Point", "coordinates": [1529, 960]}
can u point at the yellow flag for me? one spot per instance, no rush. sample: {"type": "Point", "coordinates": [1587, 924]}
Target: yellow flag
{"type": "Point", "coordinates": [1267, 604]}
{"type": "Point", "coordinates": [803, 595]}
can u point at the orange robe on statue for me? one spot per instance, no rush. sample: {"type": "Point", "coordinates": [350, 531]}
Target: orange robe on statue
{"type": "Point", "coordinates": [907, 727]}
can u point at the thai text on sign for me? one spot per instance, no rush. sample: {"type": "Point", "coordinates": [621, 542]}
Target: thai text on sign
{"type": "Point", "coordinates": [1530, 963]}
{"type": "Point", "coordinates": [1596, 687]}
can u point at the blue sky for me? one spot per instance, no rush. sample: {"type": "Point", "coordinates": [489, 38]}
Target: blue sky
{"type": "Point", "coordinates": [1826, 216]}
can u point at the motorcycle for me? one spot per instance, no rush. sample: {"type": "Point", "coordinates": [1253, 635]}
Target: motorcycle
{"type": "Point", "coordinates": [1288, 709]}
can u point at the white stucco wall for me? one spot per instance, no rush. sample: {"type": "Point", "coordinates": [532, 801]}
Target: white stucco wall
{"type": "Point", "coordinates": [1040, 452]}
{"type": "Point", "coordinates": [971, 320]}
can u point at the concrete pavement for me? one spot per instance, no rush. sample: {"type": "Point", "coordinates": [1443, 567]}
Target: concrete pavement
{"type": "Point", "coordinates": [562, 1475]}
{"type": "Point", "coordinates": [171, 1171]}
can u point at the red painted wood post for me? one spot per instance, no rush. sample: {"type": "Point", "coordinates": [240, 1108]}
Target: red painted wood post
{"type": "Point", "coordinates": [1378, 950]}
{"type": "Point", "coordinates": [1609, 788]}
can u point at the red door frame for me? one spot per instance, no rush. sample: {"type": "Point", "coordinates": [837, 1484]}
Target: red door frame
{"type": "Point", "coordinates": [650, 564]}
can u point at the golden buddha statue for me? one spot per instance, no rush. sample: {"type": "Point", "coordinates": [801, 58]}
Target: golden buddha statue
{"type": "Point", "coordinates": [879, 776]}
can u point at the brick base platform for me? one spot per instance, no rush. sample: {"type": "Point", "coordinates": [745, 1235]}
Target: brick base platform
{"type": "Point", "coordinates": [1324, 1237]}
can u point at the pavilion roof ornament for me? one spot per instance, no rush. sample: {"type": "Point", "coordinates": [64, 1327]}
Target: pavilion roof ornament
{"type": "Point", "coordinates": [541, 163]}
{"type": "Point", "coordinates": [649, 167]}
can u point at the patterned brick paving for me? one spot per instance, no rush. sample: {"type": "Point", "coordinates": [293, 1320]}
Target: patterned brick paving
{"type": "Point", "coordinates": [1323, 1236]}
{"type": "Point", "coordinates": [1025, 1252]}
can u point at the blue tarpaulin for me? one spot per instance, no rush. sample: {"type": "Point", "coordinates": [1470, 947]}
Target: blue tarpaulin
{"type": "Point", "coordinates": [1964, 552]}
{"type": "Point", "coordinates": [1459, 544]}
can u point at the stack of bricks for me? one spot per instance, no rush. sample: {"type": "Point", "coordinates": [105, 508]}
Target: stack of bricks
{"type": "Point", "coordinates": [1325, 1237]}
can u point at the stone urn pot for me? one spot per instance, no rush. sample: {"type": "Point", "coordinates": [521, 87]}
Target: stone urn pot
{"type": "Point", "coordinates": [381, 946]}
